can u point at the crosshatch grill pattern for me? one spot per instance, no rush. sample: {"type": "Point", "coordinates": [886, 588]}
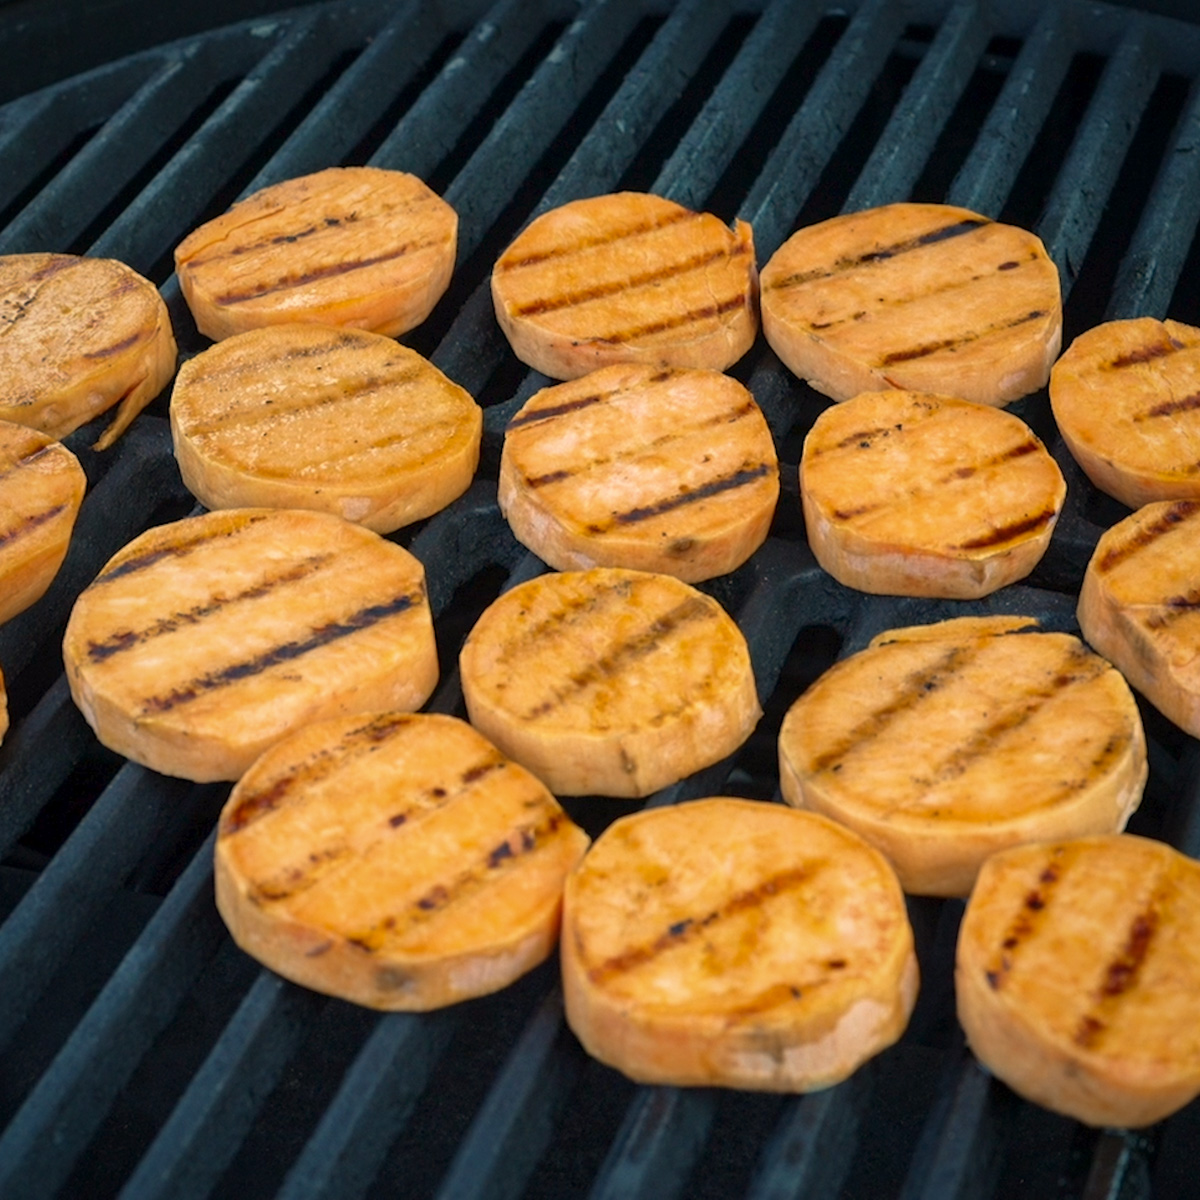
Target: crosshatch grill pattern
{"type": "Point", "coordinates": [140, 1053]}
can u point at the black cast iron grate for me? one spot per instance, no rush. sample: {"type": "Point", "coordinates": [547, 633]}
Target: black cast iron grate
{"type": "Point", "coordinates": [140, 1053]}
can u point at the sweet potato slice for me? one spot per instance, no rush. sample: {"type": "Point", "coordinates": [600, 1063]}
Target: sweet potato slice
{"type": "Point", "coordinates": [1126, 397]}
{"type": "Point", "coordinates": [337, 420]}
{"type": "Point", "coordinates": [203, 642]}
{"type": "Point", "coordinates": [1140, 605]}
{"type": "Point", "coordinates": [609, 681]}
{"type": "Point", "coordinates": [735, 943]}
{"type": "Point", "coordinates": [398, 861]}
{"type": "Point", "coordinates": [913, 494]}
{"type": "Point", "coordinates": [41, 490]}
{"type": "Point", "coordinates": [79, 336]}
{"type": "Point", "coordinates": [657, 469]}
{"type": "Point", "coordinates": [1078, 976]}
{"type": "Point", "coordinates": [355, 246]}
{"type": "Point", "coordinates": [627, 277]}
{"type": "Point", "coordinates": [943, 744]}
{"type": "Point", "coordinates": [924, 297]}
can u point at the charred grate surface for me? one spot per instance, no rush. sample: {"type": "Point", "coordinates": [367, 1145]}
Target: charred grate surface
{"type": "Point", "coordinates": [140, 1053]}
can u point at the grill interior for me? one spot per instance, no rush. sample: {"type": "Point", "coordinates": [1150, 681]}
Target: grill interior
{"type": "Point", "coordinates": [140, 1053]}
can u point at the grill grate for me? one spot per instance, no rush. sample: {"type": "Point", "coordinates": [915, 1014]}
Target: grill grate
{"type": "Point", "coordinates": [140, 1053]}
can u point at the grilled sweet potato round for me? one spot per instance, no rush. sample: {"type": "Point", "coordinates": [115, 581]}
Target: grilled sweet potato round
{"type": "Point", "coordinates": [1078, 976]}
{"type": "Point", "coordinates": [1125, 397]}
{"type": "Point", "coordinates": [395, 860]}
{"type": "Point", "coordinates": [945, 743]}
{"type": "Point", "coordinates": [658, 469]}
{"type": "Point", "coordinates": [1139, 605]}
{"type": "Point", "coordinates": [338, 420]}
{"type": "Point", "coordinates": [738, 944]}
{"type": "Point", "coordinates": [41, 490]}
{"type": "Point", "coordinates": [609, 681]}
{"type": "Point", "coordinates": [355, 246]}
{"type": "Point", "coordinates": [925, 297]}
{"type": "Point", "coordinates": [204, 642]}
{"type": "Point", "coordinates": [627, 277]}
{"type": "Point", "coordinates": [80, 336]}
{"type": "Point", "coordinates": [914, 494]}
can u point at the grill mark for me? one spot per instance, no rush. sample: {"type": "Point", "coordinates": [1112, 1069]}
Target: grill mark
{"type": "Point", "coordinates": [964, 472]}
{"type": "Point", "coordinates": [950, 343]}
{"type": "Point", "coordinates": [552, 411]}
{"type": "Point", "coordinates": [117, 347]}
{"type": "Point", "coordinates": [599, 291]}
{"type": "Point", "coordinates": [913, 689]}
{"type": "Point", "coordinates": [605, 238]}
{"type": "Point", "coordinates": [675, 321]}
{"type": "Point", "coordinates": [1170, 407]}
{"type": "Point", "coordinates": [687, 929]}
{"type": "Point", "coordinates": [853, 262]}
{"type": "Point", "coordinates": [1078, 666]}
{"type": "Point", "coordinates": [714, 487]}
{"type": "Point", "coordinates": [611, 663]}
{"type": "Point", "coordinates": [18, 464]}
{"type": "Point", "coordinates": [1172, 608]}
{"type": "Point", "coordinates": [628, 453]}
{"type": "Point", "coordinates": [1176, 514]}
{"type": "Point", "coordinates": [570, 610]}
{"type": "Point", "coordinates": [330, 271]}
{"type": "Point", "coordinates": [320, 864]}
{"type": "Point", "coordinates": [57, 264]}
{"type": "Point", "coordinates": [180, 549]}
{"type": "Point", "coordinates": [365, 738]}
{"type": "Point", "coordinates": [1120, 975]}
{"type": "Point", "coordinates": [286, 652]}
{"type": "Point", "coordinates": [1145, 354]}
{"type": "Point", "coordinates": [271, 410]}
{"type": "Point", "coordinates": [1025, 923]}
{"type": "Point", "coordinates": [130, 639]}
{"type": "Point", "coordinates": [31, 523]}
{"type": "Point", "coordinates": [520, 844]}
{"type": "Point", "coordinates": [557, 410]}
{"type": "Point", "coordinates": [1010, 531]}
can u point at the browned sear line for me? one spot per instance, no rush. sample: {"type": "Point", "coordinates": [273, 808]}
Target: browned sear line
{"type": "Point", "coordinates": [1176, 514]}
{"type": "Point", "coordinates": [1119, 976]}
{"type": "Point", "coordinates": [1025, 922]}
{"type": "Point", "coordinates": [694, 608]}
{"type": "Point", "coordinates": [1169, 407]}
{"type": "Point", "coordinates": [607, 237]}
{"type": "Point", "coordinates": [687, 928]}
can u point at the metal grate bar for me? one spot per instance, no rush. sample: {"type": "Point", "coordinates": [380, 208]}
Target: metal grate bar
{"type": "Point", "coordinates": [64, 900]}
{"type": "Point", "coordinates": [140, 480]}
{"type": "Point", "coordinates": [986, 178]}
{"type": "Point", "coordinates": [28, 775]}
{"type": "Point", "coordinates": [1082, 186]}
{"type": "Point", "coordinates": [437, 120]}
{"type": "Point", "coordinates": [1154, 262]}
{"type": "Point", "coordinates": [526, 128]}
{"type": "Point", "coordinates": [810, 1152]}
{"type": "Point", "coordinates": [41, 1145]}
{"type": "Point", "coordinates": [911, 134]}
{"type": "Point", "coordinates": [812, 135]}
{"type": "Point", "coordinates": [378, 1092]}
{"type": "Point", "coordinates": [127, 141]}
{"type": "Point", "coordinates": [964, 1139]}
{"type": "Point", "coordinates": [147, 229]}
{"type": "Point", "coordinates": [516, 1122]}
{"type": "Point", "coordinates": [346, 112]}
{"type": "Point", "coordinates": [658, 1144]}
{"type": "Point", "coordinates": [474, 347]}
{"type": "Point", "coordinates": [712, 140]}
{"type": "Point", "coordinates": [41, 127]}
{"type": "Point", "coordinates": [211, 1119]}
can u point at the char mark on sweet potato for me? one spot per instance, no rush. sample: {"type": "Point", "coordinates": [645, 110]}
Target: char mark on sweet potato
{"type": "Point", "coordinates": [1168, 521]}
{"type": "Point", "coordinates": [650, 639]}
{"type": "Point", "coordinates": [323, 635]}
